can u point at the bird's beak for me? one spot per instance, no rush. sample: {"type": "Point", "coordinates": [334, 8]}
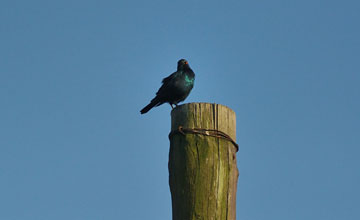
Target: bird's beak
{"type": "Point", "coordinates": [186, 62]}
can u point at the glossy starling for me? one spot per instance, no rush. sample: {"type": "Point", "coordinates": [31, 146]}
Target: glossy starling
{"type": "Point", "coordinates": [175, 88]}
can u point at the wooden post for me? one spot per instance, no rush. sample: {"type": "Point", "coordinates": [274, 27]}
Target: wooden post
{"type": "Point", "coordinates": [202, 169]}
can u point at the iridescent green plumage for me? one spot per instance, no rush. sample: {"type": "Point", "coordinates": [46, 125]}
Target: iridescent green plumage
{"type": "Point", "coordinates": [175, 88]}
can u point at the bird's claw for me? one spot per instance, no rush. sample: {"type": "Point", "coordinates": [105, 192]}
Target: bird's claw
{"type": "Point", "coordinates": [172, 105]}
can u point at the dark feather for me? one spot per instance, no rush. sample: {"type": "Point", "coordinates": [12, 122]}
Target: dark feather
{"type": "Point", "coordinates": [175, 88]}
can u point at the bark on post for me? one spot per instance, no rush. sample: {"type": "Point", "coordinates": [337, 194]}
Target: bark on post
{"type": "Point", "coordinates": [202, 169]}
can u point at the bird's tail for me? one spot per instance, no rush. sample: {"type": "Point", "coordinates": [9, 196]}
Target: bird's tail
{"type": "Point", "coordinates": [152, 104]}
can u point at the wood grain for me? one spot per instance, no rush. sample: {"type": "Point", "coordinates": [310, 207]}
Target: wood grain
{"type": "Point", "coordinates": [202, 170]}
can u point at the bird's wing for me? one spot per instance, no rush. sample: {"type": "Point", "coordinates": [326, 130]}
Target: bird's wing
{"type": "Point", "coordinates": [169, 78]}
{"type": "Point", "coordinates": [167, 84]}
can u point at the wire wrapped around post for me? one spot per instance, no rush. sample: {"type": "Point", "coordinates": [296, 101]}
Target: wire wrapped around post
{"type": "Point", "coordinates": [206, 132]}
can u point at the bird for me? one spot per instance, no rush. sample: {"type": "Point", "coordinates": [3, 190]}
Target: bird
{"type": "Point", "coordinates": [175, 88]}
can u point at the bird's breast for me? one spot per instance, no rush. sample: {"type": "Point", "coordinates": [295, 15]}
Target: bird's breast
{"type": "Point", "coordinates": [189, 81]}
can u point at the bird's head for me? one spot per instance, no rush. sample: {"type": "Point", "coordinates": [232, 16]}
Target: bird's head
{"type": "Point", "coordinates": [182, 64]}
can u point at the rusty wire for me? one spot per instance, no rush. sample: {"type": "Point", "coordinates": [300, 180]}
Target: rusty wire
{"type": "Point", "coordinates": [206, 132]}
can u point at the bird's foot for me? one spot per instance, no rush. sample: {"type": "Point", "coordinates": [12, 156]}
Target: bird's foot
{"type": "Point", "coordinates": [172, 105]}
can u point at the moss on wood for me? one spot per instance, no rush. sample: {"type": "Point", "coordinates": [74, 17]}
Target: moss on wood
{"type": "Point", "coordinates": [202, 169]}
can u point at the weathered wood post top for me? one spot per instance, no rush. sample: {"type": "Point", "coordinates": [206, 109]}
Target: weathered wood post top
{"type": "Point", "coordinates": [202, 162]}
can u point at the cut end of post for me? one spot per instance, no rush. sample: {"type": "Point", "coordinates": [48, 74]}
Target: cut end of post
{"type": "Point", "coordinates": [205, 116]}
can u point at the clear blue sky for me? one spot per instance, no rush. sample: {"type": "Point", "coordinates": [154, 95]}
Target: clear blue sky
{"type": "Point", "coordinates": [74, 75]}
